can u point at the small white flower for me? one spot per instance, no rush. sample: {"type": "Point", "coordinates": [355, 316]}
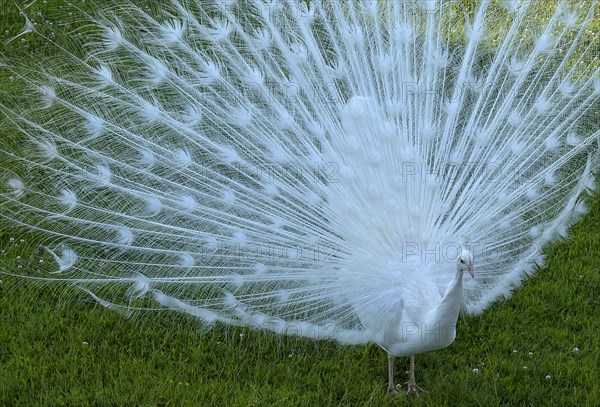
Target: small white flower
{"type": "Point", "coordinates": [548, 377]}
{"type": "Point", "coordinates": [524, 367]}
{"type": "Point", "coordinates": [530, 354]}
{"type": "Point", "coordinates": [576, 350]}
{"type": "Point", "coordinates": [515, 351]}
{"type": "Point", "coordinates": [242, 336]}
{"type": "Point", "coordinates": [475, 371]}
{"type": "Point", "coordinates": [85, 343]}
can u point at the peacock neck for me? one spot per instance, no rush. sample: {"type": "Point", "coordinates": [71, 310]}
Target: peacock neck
{"type": "Point", "coordinates": [452, 300]}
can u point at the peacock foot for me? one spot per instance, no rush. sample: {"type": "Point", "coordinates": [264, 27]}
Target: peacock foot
{"type": "Point", "coordinates": [391, 391]}
{"type": "Point", "coordinates": [411, 387]}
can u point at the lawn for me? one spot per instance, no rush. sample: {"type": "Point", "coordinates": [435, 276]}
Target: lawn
{"type": "Point", "coordinates": [57, 347]}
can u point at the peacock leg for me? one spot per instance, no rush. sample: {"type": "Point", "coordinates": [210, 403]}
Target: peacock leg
{"type": "Point", "coordinates": [391, 389]}
{"type": "Point", "coordinates": [411, 384]}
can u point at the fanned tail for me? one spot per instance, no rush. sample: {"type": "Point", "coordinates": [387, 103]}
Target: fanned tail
{"type": "Point", "coordinates": [275, 164]}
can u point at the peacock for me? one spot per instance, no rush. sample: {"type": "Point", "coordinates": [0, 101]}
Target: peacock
{"type": "Point", "coordinates": [317, 168]}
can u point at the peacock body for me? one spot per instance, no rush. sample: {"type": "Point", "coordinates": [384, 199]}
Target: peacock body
{"type": "Point", "coordinates": [327, 170]}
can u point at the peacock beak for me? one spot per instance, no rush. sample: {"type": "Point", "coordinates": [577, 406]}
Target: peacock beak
{"type": "Point", "coordinates": [470, 270]}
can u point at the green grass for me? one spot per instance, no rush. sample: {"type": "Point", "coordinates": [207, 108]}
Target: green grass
{"type": "Point", "coordinates": [55, 351]}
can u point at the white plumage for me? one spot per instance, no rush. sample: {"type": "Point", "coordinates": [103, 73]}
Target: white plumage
{"type": "Point", "coordinates": [326, 170]}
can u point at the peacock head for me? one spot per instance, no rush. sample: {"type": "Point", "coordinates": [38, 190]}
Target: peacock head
{"type": "Point", "coordinates": [465, 261]}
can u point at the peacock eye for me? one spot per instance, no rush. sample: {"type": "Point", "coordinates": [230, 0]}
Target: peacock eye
{"type": "Point", "coordinates": [462, 261]}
